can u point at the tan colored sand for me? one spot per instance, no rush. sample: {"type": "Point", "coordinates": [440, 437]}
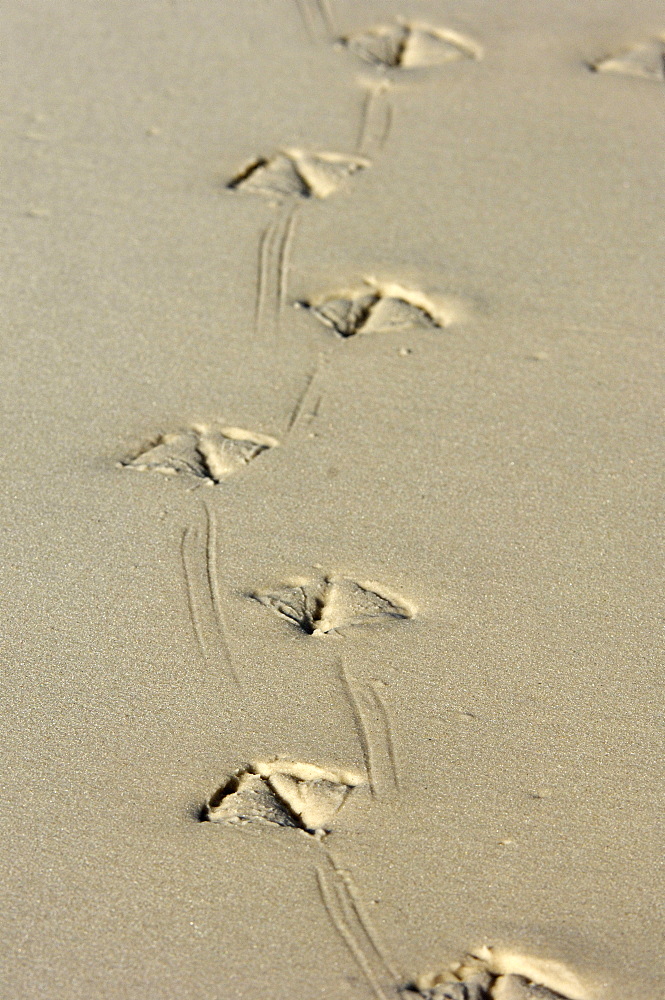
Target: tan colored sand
{"type": "Point", "coordinates": [498, 472]}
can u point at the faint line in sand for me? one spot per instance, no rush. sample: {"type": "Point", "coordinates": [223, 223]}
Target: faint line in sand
{"type": "Point", "coordinates": [387, 733]}
{"type": "Point", "coordinates": [191, 600]}
{"type": "Point", "coordinates": [374, 731]}
{"type": "Point", "coordinates": [304, 397]}
{"type": "Point", "coordinates": [335, 911]}
{"type": "Point", "coordinates": [387, 125]}
{"type": "Point", "coordinates": [305, 13]}
{"type": "Point", "coordinates": [264, 241]}
{"type": "Point", "coordinates": [325, 13]}
{"type": "Point", "coordinates": [347, 888]}
{"type": "Point", "coordinates": [375, 118]}
{"type": "Point", "coordinates": [214, 591]}
{"type": "Point", "coordinates": [284, 262]}
{"type": "Point", "coordinates": [361, 729]}
{"type": "Point", "coordinates": [313, 12]}
{"type": "Point", "coordinates": [273, 264]}
{"type": "Point", "coordinates": [349, 916]}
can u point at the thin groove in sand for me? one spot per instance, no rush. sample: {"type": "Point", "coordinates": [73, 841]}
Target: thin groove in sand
{"type": "Point", "coordinates": [341, 926]}
{"type": "Point", "coordinates": [213, 585]}
{"type": "Point", "coordinates": [191, 601]}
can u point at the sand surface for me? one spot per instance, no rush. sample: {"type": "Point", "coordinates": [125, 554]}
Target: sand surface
{"type": "Point", "coordinates": [353, 463]}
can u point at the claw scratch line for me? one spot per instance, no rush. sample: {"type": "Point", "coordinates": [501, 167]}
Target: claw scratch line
{"type": "Point", "coordinates": [387, 728]}
{"type": "Point", "coordinates": [283, 258]}
{"type": "Point", "coordinates": [213, 586]}
{"type": "Point", "coordinates": [299, 408]}
{"type": "Point", "coordinates": [361, 729]}
{"type": "Point", "coordinates": [349, 896]}
{"type": "Point", "coordinates": [364, 119]}
{"type": "Point", "coordinates": [265, 250]}
{"type": "Point", "coordinates": [361, 915]}
{"type": "Point", "coordinates": [306, 18]}
{"type": "Point", "coordinates": [273, 270]}
{"type": "Point", "coordinates": [193, 613]}
{"type": "Point", "coordinates": [326, 16]}
{"type": "Point", "coordinates": [367, 132]}
{"type": "Point", "coordinates": [317, 407]}
{"type": "Point", "coordinates": [347, 935]}
{"type": "Point", "coordinates": [387, 125]}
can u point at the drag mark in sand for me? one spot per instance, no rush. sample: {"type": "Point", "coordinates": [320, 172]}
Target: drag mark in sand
{"type": "Point", "coordinates": [301, 409]}
{"type": "Point", "coordinates": [188, 545]}
{"type": "Point", "coordinates": [283, 260]}
{"type": "Point", "coordinates": [325, 13]}
{"type": "Point", "coordinates": [349, 918]}
{"type": "Point", "coordinates": [317, 19]}
{"type": "Point", "coordinates": [199, 557]}
{"type": "Point", "coordinates": [376, 117]}
{"type": "Point", "coordinates": [374, 731]}
{"type": "Point", "coordinates": [275, 246]}
{"type": "Point", "coordinates": [214, 591]}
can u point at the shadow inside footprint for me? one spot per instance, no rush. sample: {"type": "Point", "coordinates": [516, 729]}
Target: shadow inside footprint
{"type": "Point", "coordinates": [646, 60]}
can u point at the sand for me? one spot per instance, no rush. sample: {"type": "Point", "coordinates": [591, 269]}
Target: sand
{"type": "Point", "coordinates": [331, 410]}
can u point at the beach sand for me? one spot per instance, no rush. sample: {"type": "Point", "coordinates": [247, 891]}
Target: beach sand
{"type": "Point", "coordinates": [331, 413]}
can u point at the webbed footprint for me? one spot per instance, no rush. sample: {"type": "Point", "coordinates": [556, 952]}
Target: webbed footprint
{"type": "Point", "coordinates": [495, 974]}
{"type": "Point", "coordinates": [298, 173]}
{"type": "Point", "coordinates": [378, 307]}
{"type": "Point", "coordinates": [283, 792]}
{"type": "Point", "coordinates": [645, 60]}
{"type": "Point", "coordinates": [324, 604]}
{"type": "Point", "coordinates": [408, 45]}
{"type": "Point", "coordinates": [206, 451]}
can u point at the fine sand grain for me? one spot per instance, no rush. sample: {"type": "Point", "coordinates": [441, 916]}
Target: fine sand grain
{"type": "Point", "coordinates": [331, 499]}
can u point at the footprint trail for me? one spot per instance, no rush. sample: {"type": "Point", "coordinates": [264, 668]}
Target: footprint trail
{"type": "Point", "coordinates": [485, 974]}
{"type": "Point", "coordinates": [285, 179]}
{"type": "Point", "coordinates": [395, 48]}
